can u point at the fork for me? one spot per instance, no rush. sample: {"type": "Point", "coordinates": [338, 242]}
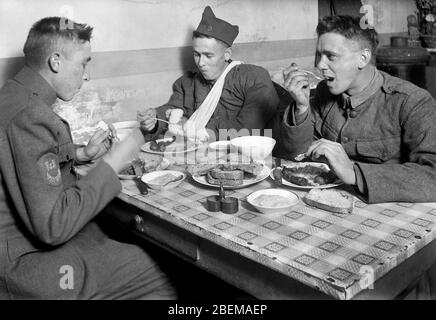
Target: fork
{"type": "Point", "coordinates": [161, 120]}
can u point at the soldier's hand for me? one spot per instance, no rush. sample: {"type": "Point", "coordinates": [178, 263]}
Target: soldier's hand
{"type": "Point", "coordinates": [147, 119]}
{"type": "Point", "coordinates": [122, 153]}
{"type": "Point", "coordinates": [297, 84]}
{"type": "Point", "coordinates": [99, 144]}
{"type": "Point", "coordinates": [336, 157]}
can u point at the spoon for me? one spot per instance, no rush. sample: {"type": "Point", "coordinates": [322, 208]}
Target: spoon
{"type": "Point", "coordinates": [174, 180]}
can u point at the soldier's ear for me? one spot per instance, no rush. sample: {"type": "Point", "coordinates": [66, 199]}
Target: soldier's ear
{"type": "Point", "coordinates": [228, 54]}
{"type": "Point", "coordinates": [54, 62]}
{"type": "Point", "coordinates": [364, 58]}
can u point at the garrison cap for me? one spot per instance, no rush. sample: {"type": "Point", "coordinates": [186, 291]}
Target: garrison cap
{"type": "Point", "coordinates": [216, 28]}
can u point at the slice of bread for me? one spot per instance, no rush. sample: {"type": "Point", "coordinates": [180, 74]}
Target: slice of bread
{"type": "Point", "coordinates": [226, 182]}
{"type": "Point", "coordinates": [330, 200]}
{"type": "Point", "coordinates": [200, 169]}
{"type": "Point", "coordinates": [218, 173]}
{"type": "Point", "coordinates": [253, 168]}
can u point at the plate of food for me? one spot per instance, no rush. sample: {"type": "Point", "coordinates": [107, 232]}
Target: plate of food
{"type": "Point", "coordinates": [140, 166]}
{"type": "Point", "coordinates": [308, 175]}
{"type": "Point", "coordinates": [233, 176]}
{"type": "Point", "coordinates": [174, 145]}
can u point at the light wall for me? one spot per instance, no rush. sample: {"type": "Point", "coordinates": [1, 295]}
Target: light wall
{"type": "Point", "coordinates": [122, 25]}
{"type": "Point", "coordinates": [140, 47]}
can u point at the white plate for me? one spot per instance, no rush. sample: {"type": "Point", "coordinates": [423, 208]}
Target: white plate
{"type": "Point", "coordinates": [165, 163]}
{"type": "Point", "coordinates": [176, 147]}
{"type": "Point", "coordinates": [246, 182]}
{"type": "Point", "coordinates": [303, 164]}
{"type": "Point", "coordinates": [292, 197]}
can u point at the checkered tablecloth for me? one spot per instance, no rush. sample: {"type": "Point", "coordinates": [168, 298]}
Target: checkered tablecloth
{"type": "Point", "coordinates": [338, 254]}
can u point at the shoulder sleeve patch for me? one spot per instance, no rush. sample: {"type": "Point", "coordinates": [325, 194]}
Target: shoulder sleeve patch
{"type": "Point", "coordinates": [48, 165]}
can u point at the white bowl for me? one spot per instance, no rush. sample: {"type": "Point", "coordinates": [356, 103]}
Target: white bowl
{"type": "Point", "coordinates": [257, 148]}
{"type": "Point", "coordinates": [149, 179]}
{"type": "Point", "coordinates": [272, 195]}
{"type": "Point", "coordinates": [219, 148]}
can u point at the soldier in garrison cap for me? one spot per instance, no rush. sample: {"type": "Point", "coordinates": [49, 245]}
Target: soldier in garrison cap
{"type": "Point", "coordinates": [221, 93]}
{"type": "Point", "coordinates": [50, 246]}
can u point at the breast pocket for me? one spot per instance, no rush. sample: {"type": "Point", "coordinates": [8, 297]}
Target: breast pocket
{"type": "Point", "coordinates": [379, 151]}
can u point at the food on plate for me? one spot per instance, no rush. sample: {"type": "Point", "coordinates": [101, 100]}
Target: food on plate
{"type": "Point", "coordinates": [226, 182]}
{"type": "Point", "coordinates": [273, 201]}
{"type": "Point", "coordinates": [253, 168]}
{"type": "Point", "coordinates": [164, 179]}
{"type": "Point", "coordinates": [219, 173]}
{"type": "Point", "coordinates": [139, 166]}
{"type": "Point", "coordinates": [309, 175]}
{"type": "Point", "coordinates": [161, 145]}
{"type": "Point", "coordinates": [136, 167]}
{"type": "Point", "coordinates": [200, 169]}
{"type": "Point", "coordinates": [330, 200]}
{"type": "Point", "coordinates": [230, 174]}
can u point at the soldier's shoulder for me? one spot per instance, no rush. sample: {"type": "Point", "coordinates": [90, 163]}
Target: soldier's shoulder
{"type": "Point", "coordinates": [395, 85]}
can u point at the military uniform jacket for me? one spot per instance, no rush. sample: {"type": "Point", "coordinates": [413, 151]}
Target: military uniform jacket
{"type": "Point", "coordinates": [43, 203]}
{"type": "Point", "coordinates": [388, 130]}
{"type": "Point", "coordinates": [248, 100]}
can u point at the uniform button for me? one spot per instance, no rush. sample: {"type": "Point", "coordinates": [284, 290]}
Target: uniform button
{"type": "Point", "coordinates": [35, 94]}
{"type": "Point", "coordinates": [353, 114]}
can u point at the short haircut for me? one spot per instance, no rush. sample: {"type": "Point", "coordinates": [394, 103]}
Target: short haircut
{"type": "Point", "coordinates": [349, 27]}
{"type": "Point", "coordinates": [52, 34]}
{"type": "Point", "coordinates": [196, 34]}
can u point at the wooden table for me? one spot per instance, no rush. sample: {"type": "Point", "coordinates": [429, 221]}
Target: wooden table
{"type": "Point", "coordinates": [306, 253]}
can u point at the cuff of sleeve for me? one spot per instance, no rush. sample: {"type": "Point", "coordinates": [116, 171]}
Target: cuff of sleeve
{"type": "Point", "coordinates": [291, 119]}
{"type": "Point", "coordinates": [360, 181]}
{"type": "Point", "coordinates": [76, 149]}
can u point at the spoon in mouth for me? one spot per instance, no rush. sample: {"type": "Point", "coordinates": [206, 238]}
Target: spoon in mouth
{"type": "Point", "coordinates": [312, 73]}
